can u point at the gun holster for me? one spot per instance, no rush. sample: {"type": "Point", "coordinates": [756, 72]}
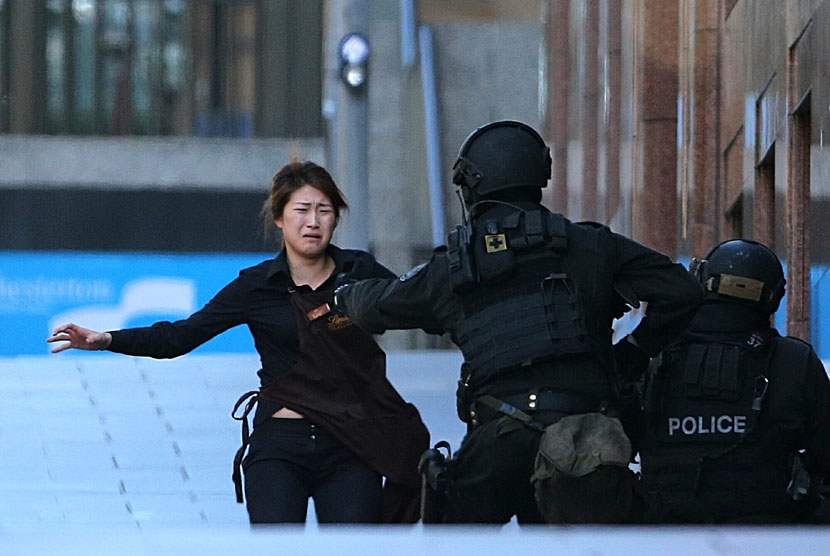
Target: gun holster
{"type": "Point", "coordinates": [434, 482]}
{"type": "Point", "coordinates": [809, 492]}
{"type": "Point", "coordinates": [463, 398]}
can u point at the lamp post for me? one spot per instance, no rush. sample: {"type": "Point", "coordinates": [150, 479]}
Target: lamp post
{"type": "Point", "coordinates": [354, 60]}
{"type": "Point", "coordinates": [353, 135]}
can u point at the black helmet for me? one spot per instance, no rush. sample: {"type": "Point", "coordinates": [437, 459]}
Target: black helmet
{"type": "Point", "coordinates": [501, 155]}
{"type": "Point", "coordinates": [742, 271]}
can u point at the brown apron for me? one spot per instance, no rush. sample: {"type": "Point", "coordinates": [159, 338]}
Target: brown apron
{"type": "Point", "coordinates": [339, 383]}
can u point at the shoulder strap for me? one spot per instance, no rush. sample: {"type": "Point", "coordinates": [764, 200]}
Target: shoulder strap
{"type": "Point", "coordinates": [534, 228]}
{"type": "Point", "coordinates": [556, 228]}
{"type": "Point", "coordinates": [458, 255]}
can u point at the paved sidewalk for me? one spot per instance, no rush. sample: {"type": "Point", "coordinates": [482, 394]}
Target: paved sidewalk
{"type": "Point", "coordinates": [106, 439]}
{"type": "Point", "coordinates": [104, 454]}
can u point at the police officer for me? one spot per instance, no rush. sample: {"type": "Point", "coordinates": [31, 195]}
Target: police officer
{"type": "Point", "coordinates": [529, 298]}
{"type": "Point", "coordinates": [731, 405]}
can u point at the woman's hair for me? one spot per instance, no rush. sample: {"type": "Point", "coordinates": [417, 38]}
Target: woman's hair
{"type": "Point", "coordinates": [294, 176]}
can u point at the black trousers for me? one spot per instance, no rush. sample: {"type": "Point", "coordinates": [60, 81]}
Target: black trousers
{"type": "Point", "coordinates": [490, 475]}
{"type": "Point", "coordinates": [292, 460]}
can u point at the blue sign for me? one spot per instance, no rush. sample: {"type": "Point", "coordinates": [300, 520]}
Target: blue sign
{"type": "Point", "coordinates": [43, 290]}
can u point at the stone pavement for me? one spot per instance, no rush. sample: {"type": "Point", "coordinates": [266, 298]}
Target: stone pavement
{"type": "Point", "coordinates": [108, 454]}
{"type": "Point", "coordinates": [107, 439]}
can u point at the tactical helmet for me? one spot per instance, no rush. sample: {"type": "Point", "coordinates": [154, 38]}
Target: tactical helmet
{"type": "Point", "coordinates": [501, 155]}
{"type": "Point", "coordinates": [742, 271]}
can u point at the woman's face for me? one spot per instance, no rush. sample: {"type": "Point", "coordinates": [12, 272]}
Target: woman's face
{"type": "Point", "coordinates": [307, 223]}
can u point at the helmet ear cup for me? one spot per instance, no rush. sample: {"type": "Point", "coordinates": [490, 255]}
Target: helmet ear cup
{"type": "Point", "coordinates": [697, 268]}
{"type": "Point", "coordinates": [548, 162]}
{"type": "Point", "coordinates": [776, 294]}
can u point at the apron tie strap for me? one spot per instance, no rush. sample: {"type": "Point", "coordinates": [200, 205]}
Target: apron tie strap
{"type": "Point", "coordinates": [252, 397]}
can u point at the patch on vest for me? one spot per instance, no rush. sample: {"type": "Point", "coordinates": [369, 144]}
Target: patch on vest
{"type": "Point", "coordinates": [412, 272]}
{"type": "Point", "coordinates": [495, 243]}
{"type": "Point", "coordinates": [699, 425]}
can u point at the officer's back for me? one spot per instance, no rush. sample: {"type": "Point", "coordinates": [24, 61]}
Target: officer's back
{"type": "Point", "coordinates": [733, 408]}
{"type": "Point", "coordinates": [529, 297]}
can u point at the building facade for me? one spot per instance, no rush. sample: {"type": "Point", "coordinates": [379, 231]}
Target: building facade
{"type": "Point", "coordinates": [688, 123]}
{"type": "Point", "coordinates": [681, 123]}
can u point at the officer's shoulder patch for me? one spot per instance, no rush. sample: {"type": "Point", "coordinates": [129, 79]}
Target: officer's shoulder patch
{"type": "Point", "coordinates": [412, 272]}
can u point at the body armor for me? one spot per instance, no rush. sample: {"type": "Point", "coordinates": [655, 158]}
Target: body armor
{"type": "Point", "coordinates": [520, 307]}
{"type": "Point", "coordinates": [705, 457]}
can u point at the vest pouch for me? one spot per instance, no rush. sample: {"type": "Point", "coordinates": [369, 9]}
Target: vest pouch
{"type": "Point", "coordinates": [713, 372]}
{"type": "Point", "coordinates": [493, 253]}
{"type": "Point", "coordinates": [461, 269]}
{"type": "Point", "coordinates": [563, 315]}
{"type": "Point", "coordinates": [463, 394]}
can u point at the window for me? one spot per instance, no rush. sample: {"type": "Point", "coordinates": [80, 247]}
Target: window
{"type": "Point", "coordinates": [4, 66]}
{"type": "Point", "coordinates": [168, 67]}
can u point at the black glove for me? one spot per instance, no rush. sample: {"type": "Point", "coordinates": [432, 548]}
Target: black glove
{"type": "Point", "coordinates": [632, 362]}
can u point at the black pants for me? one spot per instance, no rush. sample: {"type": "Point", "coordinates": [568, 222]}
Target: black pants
{"type": "Point", "coordinates": [490, 475]}
{"type": "Point", "coordinates": [292, 460]}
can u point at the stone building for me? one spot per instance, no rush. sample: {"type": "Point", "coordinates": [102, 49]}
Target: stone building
{"type": "Point", "coordinates": [155, 125]}
{"type": "Point", "coordinates": [687, 123]}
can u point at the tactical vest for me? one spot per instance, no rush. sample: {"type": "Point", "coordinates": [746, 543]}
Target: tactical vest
{"type": "Point", "coordinates": [704, 457]}
{"type": "Point", "coordinates": [520, 306]}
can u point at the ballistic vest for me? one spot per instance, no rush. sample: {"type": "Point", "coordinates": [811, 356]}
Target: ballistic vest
{"type": "Point", "coordinates": [705, 456]}
{"type": "Point", "coordinates": [520, 306]}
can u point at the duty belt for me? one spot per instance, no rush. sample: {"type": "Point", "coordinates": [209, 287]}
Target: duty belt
{"type": "Point", "coordinates": [486, 408]}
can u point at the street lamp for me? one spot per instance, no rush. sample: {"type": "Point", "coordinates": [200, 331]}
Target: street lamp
{"type": "Point", "coordinates": [354, 60]}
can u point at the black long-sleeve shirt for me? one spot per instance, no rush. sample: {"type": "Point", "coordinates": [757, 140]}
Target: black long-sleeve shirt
{"type": "Point", "coordinates": [606, 268]}
{"type": "Point", "coordinates": [602, 264]}
{"type": "Point", "coordinates": [259, 298]}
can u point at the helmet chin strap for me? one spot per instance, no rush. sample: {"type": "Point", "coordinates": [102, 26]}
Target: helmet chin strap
{"type": "Point", "coordinates": [494, 202]}
{"type": "Point", "coordinates": [463, 206]}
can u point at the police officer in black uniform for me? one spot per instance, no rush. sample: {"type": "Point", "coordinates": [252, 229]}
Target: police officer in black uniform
{"type": "Point", "coordinates": [738, 417]}
{"type": "Point", "coordinates": [529, 297]}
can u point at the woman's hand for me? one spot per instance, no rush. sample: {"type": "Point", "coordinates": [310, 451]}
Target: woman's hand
{"type": "Point", "coordinates": [79, 338]}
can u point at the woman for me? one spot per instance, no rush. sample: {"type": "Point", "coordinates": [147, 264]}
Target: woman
{"type": "Point", "coordinates": [328, 424]}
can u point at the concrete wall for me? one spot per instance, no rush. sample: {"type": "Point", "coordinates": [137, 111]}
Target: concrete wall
{"type": "Point", "coordinates": [139, 194]}
{"type": "Point", "coordinates": [148, 163]}
{"type": "Point", "coordinates": [487, 67]}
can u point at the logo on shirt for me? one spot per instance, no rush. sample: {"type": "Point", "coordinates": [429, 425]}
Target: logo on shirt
{"type": "Point", "coordinates": [339, 322]}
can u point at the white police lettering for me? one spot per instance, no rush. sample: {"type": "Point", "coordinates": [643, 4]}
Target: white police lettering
{"type": "Point", "coordinates": [713, 424]}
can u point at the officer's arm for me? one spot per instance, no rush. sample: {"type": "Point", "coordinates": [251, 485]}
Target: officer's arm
{"type": "Point", "coordinates": [419, 299]}
{"type": "Point", "coordinates": [816, 389]}
{"type": "Point", "coordinates": [673, 295]}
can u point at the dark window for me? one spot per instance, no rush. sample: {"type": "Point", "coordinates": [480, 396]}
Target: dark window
{"type": "Point", "coordinates": [72, 218]}
{"type": "Point", "coordinates": [728, 6]}
{"type": "Point", "coordinates": [4, 66]}
{"type": "Point", "coordinates": [170, 67]}
{"type": "Point", "coordinates": [735, 218]}
{"type": "Point", "coordinates": [764, 209]}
